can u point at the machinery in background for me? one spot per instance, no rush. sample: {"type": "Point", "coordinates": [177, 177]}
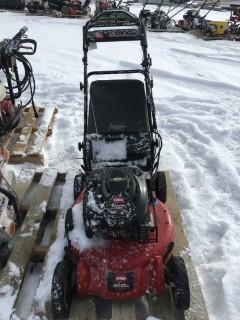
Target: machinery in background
{"type": "Point", "coordinates": [162, 20]}
{"type": "Point", "coordinates": [193, 20]}
{"type": "Point", "coordinates": [59, 8]}
{"type": "Point", "coordinates": [211, 29]}
{"type": "Point", "coordinates": [102, 5]}
{"type": "Point", "coordinates": [70, 8]}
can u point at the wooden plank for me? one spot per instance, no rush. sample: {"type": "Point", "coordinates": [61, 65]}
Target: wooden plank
{"type": "Point", "coordinates": [162, 307]}
{"type": "Point", "coordinates": [8, 138]}
{"type": "Point", "coordinates": [83, 309]}
{"type": "Point", "coordinates": [23, 182]}
{"type": "Point", "coordinates": [35, 159]}
{"type": "Point", "coordinates": [21, 144]}
{"type": "Point", "coordinates": [123, 310]}
{"type": "Point", "coordinates": [39, 253]}
{"type": "Point", "coordinates": [40, 135]}
{"type": "Point", "coordinates": [29, 119]}
{"type": "Point", "coordinates": [27, 140]}
{"type": "Point", "coordinates": [14, 272]}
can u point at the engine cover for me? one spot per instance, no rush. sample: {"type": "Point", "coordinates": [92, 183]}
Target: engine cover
{"type": "Point", "coordinates": [115, 201]}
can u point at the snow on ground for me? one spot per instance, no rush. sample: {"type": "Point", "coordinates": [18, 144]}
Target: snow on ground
{"type": "Point", "coordinates": [197, 97]}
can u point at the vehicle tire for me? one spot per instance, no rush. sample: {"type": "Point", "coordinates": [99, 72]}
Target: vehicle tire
{"type": "Point", "coordinates": [4, 255]}
{"type": "Point", "coordinates": [61, 293]}
{"type": "Point", "coordinates": [177, 279]}
{"type": "Point", "coordinates": [161, 186]}
{"type": "Point", "coordinates": [88, 232]}
{"type": "Point", "coordinates": [77, 185]}
{"type": "Point", "coordinates": [171, 24]}
{"type": "Point", "coordinates": [69, 221]}
{"type": "Point", "coordinates": [4, 248]}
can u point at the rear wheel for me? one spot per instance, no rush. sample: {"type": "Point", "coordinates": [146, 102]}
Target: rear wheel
{"type": "Point", "coordinates": [69, 221]}
{"type": "Point", "coordinates": [88, 232]}
{"type": "Point", "coordinates": [161, 186]}
{"type": "Point", "coordinates": [61, 293]}
{"type": "Point", "coordinates": [4, 248]}
{"type": "Point", "coordinates": [177, 279]}
{"type": "Point", "coordinates": [77, 185]}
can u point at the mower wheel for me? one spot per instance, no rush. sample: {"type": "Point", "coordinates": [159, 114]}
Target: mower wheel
{"type": "Point", "coordinates": [4, 248]}
{"type": "Point", "coordinates": [4, 255]}
{"type": "Point", "coordinates": [88, 232]}
{"type": "Point", "coordinates": [77, 185]}
{"type": "Point", "coordinates": [61, 294]}
{"type": "Point", "coordinates": [161, 186]}
{"type": "Point", "coordinates": [69, 221]}
{"type": "Point", "coordinates": [177, 279]}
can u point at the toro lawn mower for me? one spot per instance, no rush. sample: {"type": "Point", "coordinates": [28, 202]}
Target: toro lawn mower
{"type": "Point", "coordinates": [120, 195]}
{"type": "Point", "coordinates": [12, 56]}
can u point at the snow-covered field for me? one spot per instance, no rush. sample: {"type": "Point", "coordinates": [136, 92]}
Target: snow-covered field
{"type": "Point", "coordinates": [197, 97]}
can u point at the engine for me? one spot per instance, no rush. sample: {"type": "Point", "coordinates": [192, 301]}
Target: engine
{"type": "Point", "coordinates": [115, 202]}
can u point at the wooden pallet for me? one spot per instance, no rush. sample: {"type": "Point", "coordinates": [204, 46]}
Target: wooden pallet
{"type": "Point", "coordinates": [27, 140]}
{"type": "Point", "coordinates": [35, 192]}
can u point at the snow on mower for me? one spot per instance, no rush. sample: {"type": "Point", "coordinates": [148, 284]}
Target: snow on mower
{"type": "Point", "coordinates": [12, 56]}
{"type": "Point", "coordinates": [127, 249]}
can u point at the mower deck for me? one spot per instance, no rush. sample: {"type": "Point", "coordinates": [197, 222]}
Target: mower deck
{"type": "Point", "coordinates": [87, 309]}
{"type": "Point", "coordinates": [130, 267]}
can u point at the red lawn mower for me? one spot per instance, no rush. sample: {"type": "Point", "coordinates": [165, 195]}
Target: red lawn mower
{"type": "Point", "coordinates": [120, 196]}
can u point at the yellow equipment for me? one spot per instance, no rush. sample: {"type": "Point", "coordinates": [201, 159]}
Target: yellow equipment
{"type": "Point", "coordinates": [218, 28]}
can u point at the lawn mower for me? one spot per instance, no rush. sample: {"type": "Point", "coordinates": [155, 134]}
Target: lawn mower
{"type": "Point", "coordinates": [192, 20]}
{"type": "Point", "coordinates": [70, 8]}
{"type": "Point", "coordinates": [120, 195]}
{"type": "Point", "coordinates": [12, 56]}
{"type": "Point", "coordinates": [102, 5]}
{"type": "Point", "coordinates": [157, 19]}
{"type": "Point", "coordinates": [234, 23]}
{"type": "Point", "coordinates": [161, 20]}
{"type": "Point", "coordinates": [36, 7]}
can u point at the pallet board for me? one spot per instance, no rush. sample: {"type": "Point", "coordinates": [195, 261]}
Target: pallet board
{"type": "Point", "coordinates": [28, 238]}
{"type": "Point", "coordinates": [27, 140]}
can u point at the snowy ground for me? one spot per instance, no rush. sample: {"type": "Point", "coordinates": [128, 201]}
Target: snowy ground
{"type": "Point", "coordinates": [197, 96]}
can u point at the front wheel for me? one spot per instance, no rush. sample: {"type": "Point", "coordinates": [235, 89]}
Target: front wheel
{"type": "Point", "coordinates": [78, 185]}
{"type": "Point", "coordinates": [61, 293]}
{"type": "Point", "coordinates": [177, 279]}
